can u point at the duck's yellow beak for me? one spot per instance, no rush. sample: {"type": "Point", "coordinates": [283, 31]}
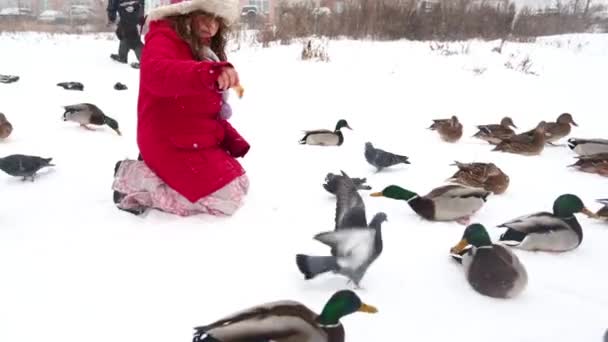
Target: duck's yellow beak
{"type": "Point", "coordinates": [376, 194]}
{"type": "Point", "coordinates": [368, 308]}
{"type": "Point", "coordinates": [589, 213]}
{"type": "Point", "coordinates": [460, 246]}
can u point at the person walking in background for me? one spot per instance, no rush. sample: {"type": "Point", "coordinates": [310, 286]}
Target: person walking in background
{"type": "Point", "coordinates": [131, 14]}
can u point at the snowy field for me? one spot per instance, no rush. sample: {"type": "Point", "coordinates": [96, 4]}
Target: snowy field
{"type": "Point", "coordinates": [74, 268]}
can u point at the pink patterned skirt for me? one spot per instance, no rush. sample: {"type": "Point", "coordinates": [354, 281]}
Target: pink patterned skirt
{"type": "Point", "coordinates": [142, 188]}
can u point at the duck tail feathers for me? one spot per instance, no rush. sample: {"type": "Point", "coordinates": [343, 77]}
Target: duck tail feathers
{"type": "Point", "coordinates": [200, 335]}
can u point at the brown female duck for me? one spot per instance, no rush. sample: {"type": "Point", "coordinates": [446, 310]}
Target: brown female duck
{"type": "Point", "coordinates": [5, 127]}
{"type": "Point", "coordinates": [603, 212]}
{"type": "Point", "coordinates": [481, 175]}
{"type": "Point", "coordinates": [595, 163]}
{"type": "Point", "coordinates": [286, 321]}
{"type": "Point", "coordinates": [557, 130]}
{"type": "Point", "coordinates": [523, 144]}
{"type": "Point", "coordinates": [494, 133]}
{"type": "Point", "coordinates": [450, 130]}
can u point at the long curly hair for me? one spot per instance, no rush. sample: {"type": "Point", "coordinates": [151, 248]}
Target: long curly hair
{"type": "Point", "coordinates": [183, 26]}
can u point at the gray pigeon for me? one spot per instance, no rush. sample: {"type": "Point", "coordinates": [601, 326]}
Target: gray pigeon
{"type": "Point", "coordinates": [355, 245]}
{"type": "Point", "coordinates": [89, 114]}
{"type": "Point", "coordinates": [381, 158]}
{"type": "Point", "coordinates": [332, 181]}
{"type": "Point", "coordinates": [19, 165]}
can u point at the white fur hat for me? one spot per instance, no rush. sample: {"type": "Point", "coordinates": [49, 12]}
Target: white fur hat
{"type": "Point", "coordinates": [228, 10]}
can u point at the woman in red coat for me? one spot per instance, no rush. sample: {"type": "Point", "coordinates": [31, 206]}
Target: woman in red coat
{"type": "Point", "coordinates": [187, 145]}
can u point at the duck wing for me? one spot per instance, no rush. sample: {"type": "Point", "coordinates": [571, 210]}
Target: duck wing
{"type": "Point", "coordinates": [537, 222]}
{"type": "Point", "coordinates": [317, 131]}
{"type": "Point", "coordinates": [275, 321]}
{"type": "Point", "coordinates": [455, 190]}
{"type": "Point", "coordinates": [440, 191]}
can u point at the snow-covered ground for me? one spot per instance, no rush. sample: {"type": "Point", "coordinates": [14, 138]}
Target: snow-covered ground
{"type": "Point", "coordinates": [74, 268]}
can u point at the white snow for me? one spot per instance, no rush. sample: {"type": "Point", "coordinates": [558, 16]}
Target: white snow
{"type": "Point", "coordinates": [74, 268]}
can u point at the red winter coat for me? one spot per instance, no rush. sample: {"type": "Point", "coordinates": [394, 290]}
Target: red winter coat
{"type": "Point", "coordinates": [179, 132]}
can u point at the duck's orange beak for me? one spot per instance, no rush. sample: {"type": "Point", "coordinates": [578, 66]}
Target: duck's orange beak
{"type": "Point", "coordinates": [367, 308]}
{"type": "Point", "coordinates": [459, 247]}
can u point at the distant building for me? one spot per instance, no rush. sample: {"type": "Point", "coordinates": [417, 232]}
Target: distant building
{"type": "Point", "coordinates": [39, 6]}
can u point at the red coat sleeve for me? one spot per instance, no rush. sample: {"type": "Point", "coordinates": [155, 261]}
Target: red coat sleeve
{"type": "Point", "coordinates": [234, 143]}
{"type": "Point", "coordinates": [165, 73]}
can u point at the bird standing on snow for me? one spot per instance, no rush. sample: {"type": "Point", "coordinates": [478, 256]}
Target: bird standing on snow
{"type": "Point", "coordinates": [285, 321]}
{"type": "Point", "coordinates": [603, 212]}
{"type": "Point", "coordinates": [559, 231]}
{"type": "Point", "coordinates": [8, 78]}
{"type": "Point", "coordinates": [71, 85]}
{"type": "Point", "coordinates": [587, 147]}
{"type": "Point", "coordinates": [450, 130]}
{"type": "Point", "coordinates": [481, 175]}
{"type": "Point", "coordinates": [525, 144]}
{"type": "Point", "coordinates": [558, 129]}
{"type": "Point", "coordinates": [19, 165]}
{"type": "Point", "coordinates": [493, 133]}
{"type": "Point", "coordinates": [5, 127]}
{"type": "Point", "coordinates": [325, 137]}
{"type": "Point", "coordinates": [89, 114]}
{"type": "Point", "coordinates": [381, 159]}
{"type": "Point", "coordinates": [594, 163]}
{"type": "Point", "coordinates": [354, 244]}
{"type": "Point", "coordinates": [332, 181]}
{"type": "Point", "coordinates": [491, 269]}
{"type": "Point", "coordinates": [452, 202]}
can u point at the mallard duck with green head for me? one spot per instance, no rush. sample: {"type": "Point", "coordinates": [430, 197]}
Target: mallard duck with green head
{"type": "Point", "coordinates": [558, 231]}
{"type": "Point", "coordinates": [286, 321]}
{"type": "Point", "coordinates": [453, 202]}
{"type": "Point", "coordinates": [325, 137]}
{"type": "Point", "coordinates": [491, 269]}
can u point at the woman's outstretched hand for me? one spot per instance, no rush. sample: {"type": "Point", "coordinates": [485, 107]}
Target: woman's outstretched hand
{"type": "Point", "coordinates": [228, 78]}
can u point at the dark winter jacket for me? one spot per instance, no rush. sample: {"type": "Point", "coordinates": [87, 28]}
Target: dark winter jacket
{"type": "Point", "coordinates": [130, 12]}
